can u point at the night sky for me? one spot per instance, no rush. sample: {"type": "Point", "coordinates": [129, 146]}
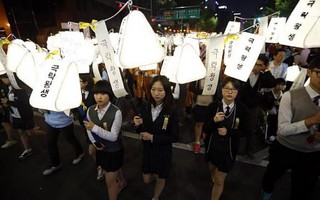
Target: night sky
{"type": "Point", "coordinates": [247, 7]}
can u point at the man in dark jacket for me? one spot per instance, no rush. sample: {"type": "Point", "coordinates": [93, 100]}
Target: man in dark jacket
{"type": "Point", "coordinates": [251, 97]}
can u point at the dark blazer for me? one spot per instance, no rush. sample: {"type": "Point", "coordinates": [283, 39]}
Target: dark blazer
{"type": "Point", "coordinates": [89, 101]}
{"type": "Point", "coordinates": [21, 102]}
{"type": "Point", "coordinates": [251, 96]}
{"type": "Point", "coordinates": [233, 134]}
{"type": "Point", "coordinates": [160, 136]}
{"type": "Point", "coordinates": [157, 155]}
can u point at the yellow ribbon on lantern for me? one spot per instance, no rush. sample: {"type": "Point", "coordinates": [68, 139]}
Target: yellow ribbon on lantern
{"type": "Point", "coordinates": [231, 37]}
{"type": "Point", "coordinates": [84, 25]}
{"type": "Point", "coordinates": [52, 53]}
{"type": "Point", "coordinates": [5, 41]}
{"type": "Point", "coordinates": [202, 35]}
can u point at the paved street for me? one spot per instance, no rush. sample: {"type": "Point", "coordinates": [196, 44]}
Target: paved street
{"type": "Point", "coordinates": [189, 180]}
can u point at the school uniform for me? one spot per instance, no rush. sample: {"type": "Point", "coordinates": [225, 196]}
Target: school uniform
{"type": "Point", "coordinates": [106, 133]}
{"type": "Point", "coordinates": [221, 151]}
{"type": "Point", "coordinates": [21, 110]}
{"type": "Point", "coordinates": [163, 124]}
{"type": "Point", "coordinates": [271, 103]}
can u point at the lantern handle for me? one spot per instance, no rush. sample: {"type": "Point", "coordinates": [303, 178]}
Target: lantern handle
{"type": "Point", "coordinates": [128, 4]}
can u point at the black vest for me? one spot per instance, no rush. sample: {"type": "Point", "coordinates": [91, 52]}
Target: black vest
{"type": "Point", "coordinates": [106, 123]}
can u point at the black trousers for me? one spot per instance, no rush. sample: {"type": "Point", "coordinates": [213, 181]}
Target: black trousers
{"type": "Point", "coordinates": [305, 170]}
{"type": "Point", "coordinates": [253, 120]}
{"type": "Point", "coordinates": [52, 142]}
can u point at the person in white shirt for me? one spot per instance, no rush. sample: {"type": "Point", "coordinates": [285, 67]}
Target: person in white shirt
{"type": "Point", "coordinates": [297, 146]}
{"type": "Point", "coordinates": [277, 67]}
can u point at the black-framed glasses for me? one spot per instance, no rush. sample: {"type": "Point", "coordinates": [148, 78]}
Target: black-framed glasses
{"type": "Point", "coordinates": [230, 90]}
{"type": "Point", "coordinates": [317, 72]}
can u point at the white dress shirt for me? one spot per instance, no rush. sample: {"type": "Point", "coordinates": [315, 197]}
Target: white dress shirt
{"type": "Point", "coordinates": [155, 111]}
{"type": "Point", "coordinates": [111, 135]}
{"type": "Point", "coordinates": [285, 126]}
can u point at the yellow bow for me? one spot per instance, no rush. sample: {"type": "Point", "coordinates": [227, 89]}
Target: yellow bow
{"type": "Point", "coordinates": [84, 107]}
{"type": "Point", "coordinates": [202, 35]}
{"type": "Point", "coordinates": [52, 53]}
{"type": "Point", "coordinates": [84, 25]}
{"type": "Point", "coordinates": [5, 41]}
{"type": "Point", "coordinates": [231, 37]}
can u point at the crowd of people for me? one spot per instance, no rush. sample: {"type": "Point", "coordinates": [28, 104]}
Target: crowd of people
{"type": "Point", "coordinates": [236, 110]}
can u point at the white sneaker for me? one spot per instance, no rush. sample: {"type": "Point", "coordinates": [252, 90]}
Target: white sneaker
{"type": "Point", "coordinates": [100, 174]}
{"type": "Point", "coordinates": [8, 144]}
{"type": "Point", "coordinates": [51, 170]}
{"type": "Point", "coordinates": [272, 138]}
{"type": "Point", "coordinates": [77, 160]}
{"type": "Point", "coordinates": [25, 154]}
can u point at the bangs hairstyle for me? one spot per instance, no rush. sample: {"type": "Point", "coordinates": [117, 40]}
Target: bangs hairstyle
{"type": "Point", "coordinates": [87, 78]}
{"type": "Point", "coordinates": [168, 98]}
{"type": "Point", "coordinates": [233, 81]}
{"type": "Point", "coordinates": [103, 87]}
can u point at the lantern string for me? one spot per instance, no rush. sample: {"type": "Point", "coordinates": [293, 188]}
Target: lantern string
{"type": "Point", "coordinates": [127, 4]}
{"type": "Point", "coordinates": [231, 35]}
{"type": "Point", "coordinates": [271, 15]}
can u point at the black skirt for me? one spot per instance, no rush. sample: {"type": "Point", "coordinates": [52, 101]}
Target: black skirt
{"type": "Point", "coordinates": [157, 159]}
{"type": "Point", "coordinates": [110, 161]}
{"type": "Point", "coordinates": [220, 153]}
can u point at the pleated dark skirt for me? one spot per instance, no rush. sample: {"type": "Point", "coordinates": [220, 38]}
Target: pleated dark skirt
{"type": "Point", "coordinates": [157, 159]}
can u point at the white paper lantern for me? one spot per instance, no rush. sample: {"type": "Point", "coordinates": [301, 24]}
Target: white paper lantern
{"type": "Point", "coordinates": [58, 87]}
{"type": "Point", "coordinates": [178, 40]}
{"type": "Point", "coordinates": [16, 52]}
{"type": "Point", "coordinates": [140, 46]}
{"type": "Point", "coordinates": [2, 69]}
{"type": "Point", "coordinates": [190, 66]}
{"type": "Point", "coordinates": [114, 38]}
{"type": "Point", "coordinates": [149, 67]}
{"type": "Point", "coordinates": [190, 39]}
{"type": "Point", "coordinates": [292, 73]}
{"type": "Point", "coordinates": [169, 68]}
{"type": "Point", "coordinates": [78, 49]}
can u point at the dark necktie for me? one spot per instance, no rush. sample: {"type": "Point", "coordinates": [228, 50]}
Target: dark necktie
{"type": "Point", "coordinates": [83, 97]}
{"type": "Point", "coordinates": [316, 100]}
{"type": "Point", "coordinates": [228, 111]}
{"type": "Point", "coordinates": [312, 138]}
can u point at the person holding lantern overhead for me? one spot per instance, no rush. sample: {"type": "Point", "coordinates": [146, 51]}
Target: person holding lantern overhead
{"type": "Point", "coordinates": [158, 125]}
{"type": "Point", "coordinates": [222, 130]}
{"type": "Point", "coordinates": [103, 123]}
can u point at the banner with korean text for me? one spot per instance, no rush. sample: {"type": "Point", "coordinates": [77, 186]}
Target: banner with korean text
{"type": "Point", "coordinates": [303, 26]}
{"type": "Point", "coordinates": [214, 52]}
{"type": "Point", "coordinates": [244, 56]}
{"type": "Point", "coordinates": [107, 53]}
{"type": "Point", "coordinates": [232, 28]}
{"type": "Point", "coordinates": [275, 28]}
{"type": "Point", "coordinates": [58, 87]}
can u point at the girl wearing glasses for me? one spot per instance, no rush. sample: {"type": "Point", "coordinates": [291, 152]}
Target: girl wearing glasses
{"type": "Point", "coordinates": [222, 131]}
